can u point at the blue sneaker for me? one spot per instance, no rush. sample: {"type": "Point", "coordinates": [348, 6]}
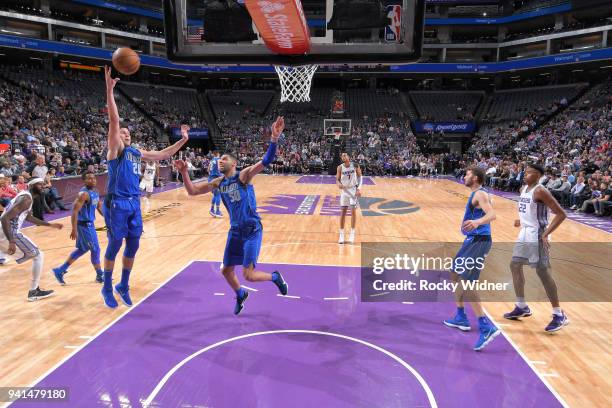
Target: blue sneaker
{"type": "Point", "coordinates": [557, 323]}
{"type": "Point", "coordinates": [124, 294]}
{"type": "Point", "coordinates": [218, 213]}
{"type": "Point", "coordinates": [487, 334]}
{"type": "Point", "coordinates": [518, 312]}
{"type": "Point", "coordinates": [109, 299]}
{"type": "Point", "coordinates": [279, 281]}
{"type": "Point", "coordinates": [212, 213]}
{"type": "Point", "coordinates": [100, 277]}
{"type": "Point", "coordinates": [59, 275]}
{"type": "Point", "coordinates": [460, 322]}
{"type": "Point", "coordinates": [240, 303]}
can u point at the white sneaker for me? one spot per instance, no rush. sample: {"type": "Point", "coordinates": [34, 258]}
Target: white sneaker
{"type": "Point", "coordinates": [351, 237]}
{"type": "Point", "coordinates": [341, 239]}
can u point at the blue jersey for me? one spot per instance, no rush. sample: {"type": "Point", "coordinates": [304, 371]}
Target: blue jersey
{"type": "Point", "coordinates": [124, 174]}
{"type": "Point", "coordinates": [87, 213]}
{"type": "Point", "coordinates": [239, 199]}
{"type": "Point", "coordinates": [213, 169]}
{"type": "Point", "coordinates": [473, 213]}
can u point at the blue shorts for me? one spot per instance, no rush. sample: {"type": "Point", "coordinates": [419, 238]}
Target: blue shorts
{"type": "Point", "coordinates": [243, 245]}
{"type": "Point", "coordinates": [123, 217]}
{"type": "Point", "coordinates": [87, 239]}
{"type": "Point", "coordinates": [469, 261]}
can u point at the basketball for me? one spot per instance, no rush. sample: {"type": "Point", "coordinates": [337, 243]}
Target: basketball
{"type": "Point", "coordinates": [126, 61]}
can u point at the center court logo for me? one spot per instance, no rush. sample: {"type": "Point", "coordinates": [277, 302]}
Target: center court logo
{"type": "Point", "coordinates": [296, 204]}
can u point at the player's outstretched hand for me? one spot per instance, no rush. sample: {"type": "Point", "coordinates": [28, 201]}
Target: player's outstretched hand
{"type": "Point", "coordinates": [56, 225]}
{"type": "Point", "coordinates": [12, 248]}
{"type": "Point", "coordinates": [180, 165]}
{"type": "Point", "coordinates": [185, 132]}
{"type": "Point", "coordinates": [517, 223]}
{"type": "Point", "coordinates": [110, 81]}
{"type": "Point", "coordinates": [277, 128]}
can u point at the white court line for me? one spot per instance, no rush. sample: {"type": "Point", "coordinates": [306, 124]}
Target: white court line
{"type": "Point", "coordinates": [407, 303]}
{"type": "Point", "coordinates": [85, 337]}
{"type": "Point", "coordinates": [335, 298]}
{"type": "Point", "coordinates": [169, 374]}
{"type": "Point", "coordinates": [289, 296]}
{"type": "Point", "coordinates": [288, 263]}
{"type": "Point", "coordinates": [218, 294]}
{"type": "Point", "coordinates": [128, 310]}
{"type": "Point", "coordinates": [251, 289]}
{"type": "Point", "coordinates": [531, 365]}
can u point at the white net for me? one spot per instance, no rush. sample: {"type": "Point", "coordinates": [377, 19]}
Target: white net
{"type": "Point", "coordinates": [295, 82]}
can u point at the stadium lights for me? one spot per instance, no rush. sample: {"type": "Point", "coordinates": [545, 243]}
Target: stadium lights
{"type": "Point", "coordinates": [11, 32]}
{"type": "Point", "coordinates": [578, 70]}
{"type": "Point", "coordinates": [606, 66]}
{"type": "Point", "coordinates": [36, 58]}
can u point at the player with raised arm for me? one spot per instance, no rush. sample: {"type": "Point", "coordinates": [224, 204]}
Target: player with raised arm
{"type": "Point", "coordinates": [84, 229]}
{"type": "Point", "coordinates": [12, 241]}
{"type": "Point", "coordinates": [122, 213]}
{"type": "Point", "coordinates": [348, 180]}
{"type": "Point", "coordinates": [245, 234]}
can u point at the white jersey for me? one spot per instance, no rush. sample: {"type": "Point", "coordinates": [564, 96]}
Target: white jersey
{"type": "Point", "coordinates": [17, 222]}
{"type": "Point", "coordinates": [149, 172]}
{"type": "Point", "coordinates": [533, 214]}
{"type": "Point", "coordinates": [348, 175]}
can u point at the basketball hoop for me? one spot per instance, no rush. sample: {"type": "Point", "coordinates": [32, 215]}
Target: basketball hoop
{"type": "Point", "coordinates": [337, 134]}
{"type": "Point", "coordinates": [295, 82]}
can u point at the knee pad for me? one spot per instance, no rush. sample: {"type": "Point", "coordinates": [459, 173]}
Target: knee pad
{"type": "Point", "coordinates": [39, 260]}
{"type": "Point", "coordinates": [114, 245]}
{"type": "Point", "coordinates": [95, 256]}
{"type": "Point", "coordinates": [77, 253]}
{"type": "Point", "coordinates": [131, 247]}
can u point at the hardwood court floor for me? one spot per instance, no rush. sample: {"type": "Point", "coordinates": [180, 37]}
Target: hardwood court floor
{"type": "Point", "coordinates": [34, 337]}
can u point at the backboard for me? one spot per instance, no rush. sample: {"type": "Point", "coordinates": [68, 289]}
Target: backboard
{"type": "Point", "coordinates": [322, 32]}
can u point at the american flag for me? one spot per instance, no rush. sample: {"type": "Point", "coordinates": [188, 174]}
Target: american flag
{"type": "Point", "coordinates": [194, 34]}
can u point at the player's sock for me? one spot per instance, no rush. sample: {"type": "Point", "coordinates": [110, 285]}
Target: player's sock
{"type": "Point", "coordinates": [484, 322]}
{"type": "Point", "coordinates": [520, 302]}
{"type": "Point", "coordinates": [557, 311]}
{"type": "Point", "coordinates": [240, 292]}
{"type": "Point", "coordinates": [125, 277]}
{"type": "Point", "coordinates": [99, 275]}
{"type": "Point", "coordinates": [108, 280]}
{"type": "Point", "coordinates": [63, 267]}
{"type": "Point", "coordinates": [461, 311]}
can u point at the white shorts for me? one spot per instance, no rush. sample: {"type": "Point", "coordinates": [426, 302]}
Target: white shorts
{"type": "Point", "coordinates": [348, 197]}
{"type": "Point", "coordinates": [26, 249]}
{"type": "Point", "coordinates": [530, 249]}
{"type": "Point", "coordinates": [146, 185]}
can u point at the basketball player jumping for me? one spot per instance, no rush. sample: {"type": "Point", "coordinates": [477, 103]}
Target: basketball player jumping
{"type": "Point", "coordinates": [245, 234]}
{"type": "Point", "coordinates": [468, 263]}
{"type": "Point", "coordinates": [148, 181]}
{"type": "Point", "coordinates": [348, 179]}
{"type": "Point", "coordinates": [84, 229]}
{"type": "Point", "coordinates": [122, 203]}
{"type": "Point", "coordinates": [532, 246]}
{"type": "Point", "coordinates": [213, 173]}
{"type": "Point", "coordinates": [12, 241]}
